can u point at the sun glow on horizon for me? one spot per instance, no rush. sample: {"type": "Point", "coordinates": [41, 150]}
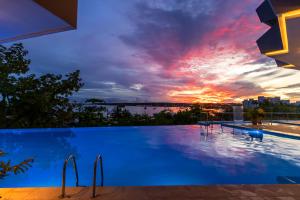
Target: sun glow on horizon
{"type": "Point", "coordinates": [217, 77]}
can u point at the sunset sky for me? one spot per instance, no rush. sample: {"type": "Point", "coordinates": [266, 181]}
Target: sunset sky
{"type": "Point", "coordinates": [166, 50]}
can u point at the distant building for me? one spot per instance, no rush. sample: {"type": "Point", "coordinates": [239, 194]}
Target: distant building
{"type": "Point", "coordinates": [286, 102]}
{"type": "Point", "coordinates": [275, 100]}
{"type": "Point", "coordinates": [272, 100]}
{"type": "Point", "coordinates": [250, 103]}
{"type": "Point", "coordinates": [261, 99]}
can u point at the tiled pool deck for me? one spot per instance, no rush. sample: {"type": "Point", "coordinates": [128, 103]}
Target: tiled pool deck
{"type": "Point", "coordinates": [229, 192]}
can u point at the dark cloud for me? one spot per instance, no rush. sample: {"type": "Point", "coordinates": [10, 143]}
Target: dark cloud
{"type": "Point", "coordinates": [166, 35]}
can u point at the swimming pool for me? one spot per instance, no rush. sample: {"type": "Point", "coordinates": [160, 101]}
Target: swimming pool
{"type": "Point", "coordinates": [152, 156]}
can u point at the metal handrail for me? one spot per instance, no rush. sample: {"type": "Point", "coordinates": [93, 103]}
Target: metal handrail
{"type": "Point", "coordinates": [63, 187]}
{"type": "Point", "coordinates": [100, 159]}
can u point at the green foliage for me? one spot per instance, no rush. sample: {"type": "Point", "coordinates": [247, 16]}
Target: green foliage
{"type": "Point", "coordinates": [12, 64]}
{"type": "Point", "coordinates": [164, 117]}
{"type": "Point", "coordinates": [279, 107]}
{"type": "Point", "coordinates": [90, 114]}
{"type": "Point", "coordinates": [121, 116]}
{"type": "Point", "coordinates": [7, 168]}
{"type": "Point", "coordinates": [30, 101]}
{"type": "Point", "coordinates": [256, 115]}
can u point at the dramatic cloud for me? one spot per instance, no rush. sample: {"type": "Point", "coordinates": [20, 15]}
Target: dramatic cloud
{"type": "Point", "coordinates": [201, 50]}
{"type": "Point", "coordinates": [166, 50]}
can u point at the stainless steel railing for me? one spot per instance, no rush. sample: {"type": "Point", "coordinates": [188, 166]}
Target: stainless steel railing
{"type": "Point", "coordinates": [100, 160]}
{"type": "Point", "coordinates": [63, 187]}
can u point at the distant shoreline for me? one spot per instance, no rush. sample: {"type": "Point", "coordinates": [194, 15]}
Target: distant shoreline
{"type": "Point", "coordinates": [158, 104]}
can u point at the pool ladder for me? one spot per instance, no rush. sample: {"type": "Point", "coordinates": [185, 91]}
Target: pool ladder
{"type": "Point", "coordinates": [99, 159]}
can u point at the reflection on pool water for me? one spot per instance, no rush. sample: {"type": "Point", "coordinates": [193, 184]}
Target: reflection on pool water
{"type": "Point", "coordinates": [151, 156]}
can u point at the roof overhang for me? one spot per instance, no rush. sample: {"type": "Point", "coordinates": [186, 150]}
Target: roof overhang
{"type": "Point", "coordinates": [30, 18]}
{"type": "Point", "coordinates": [281, 41]}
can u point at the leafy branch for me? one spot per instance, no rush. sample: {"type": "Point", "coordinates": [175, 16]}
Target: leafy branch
{"type": "Point", "coordinates": [6, 167]}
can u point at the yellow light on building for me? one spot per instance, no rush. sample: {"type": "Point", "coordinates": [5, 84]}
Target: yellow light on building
{"type": "Point", "coordinates": [288, 66]}
{"type": "Point", "coordinates": [282, 20]}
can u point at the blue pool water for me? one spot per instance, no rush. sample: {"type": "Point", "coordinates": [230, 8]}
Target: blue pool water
{"type": "Point", "coordinates": [152, 156]}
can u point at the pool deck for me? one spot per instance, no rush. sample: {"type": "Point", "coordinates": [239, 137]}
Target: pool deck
{"type": "Point", "coordinates": [285, 130]}
{"type": "Point", "coordinates": [288, 122]}
{"type": "Point", "coordinates": [281, 128]}
{"type": "Point", "coordinates": [225, 192]}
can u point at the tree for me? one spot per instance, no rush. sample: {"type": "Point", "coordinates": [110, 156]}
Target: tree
{"type": "Point", "coordinates": [121, 116]}
{"type": "Point", "coordinates": [30, 101]}
{"type": "Point", "coordinates": [46, 102]}
{"type": "Point", "coordinates": [90, 113]}
{"type": "Point", "coordinates": [184, 117]}
{"type": "Point", "coordinates": [164, 117]}
{"type": "Point", "coordinates": [256, 115]}
{"type": "Point", "coordinates": [13, 64]}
